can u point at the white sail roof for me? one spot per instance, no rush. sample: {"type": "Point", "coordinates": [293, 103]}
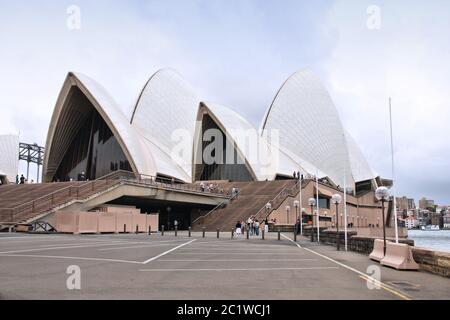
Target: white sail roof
{"type": "Point", "coordinates": [300, 131]}
{"type": "Point", "coordinates": [165, 113]}
{"type": "Point", "coordinates": [310, 130]}
{"type": "Point", "coordinates": [9, 156]}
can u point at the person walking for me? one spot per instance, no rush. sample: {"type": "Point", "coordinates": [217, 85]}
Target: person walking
{"type": "Point", "coordinates": [250, 225]}
{"type": "Point", "coordinates": [238, 228]}
{"type": "Point", "coordinates": [256, 225]}
{"type": "Point", "coordinates": [22, 179]}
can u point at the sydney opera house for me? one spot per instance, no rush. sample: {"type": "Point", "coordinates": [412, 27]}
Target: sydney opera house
{"type": "Point", "coordinates": [170, 129]}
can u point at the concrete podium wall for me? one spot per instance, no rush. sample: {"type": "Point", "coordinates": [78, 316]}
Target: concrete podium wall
{"type": "Point", "coordinates": [104, 222]}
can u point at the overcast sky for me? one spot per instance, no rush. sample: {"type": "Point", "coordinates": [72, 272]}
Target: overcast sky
{"type": "Point", "coordinates": [239, 53]}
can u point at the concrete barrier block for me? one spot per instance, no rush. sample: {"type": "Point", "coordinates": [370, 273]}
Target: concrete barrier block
{"type": "Point", "coordinates": [378, 250]}
{"type": "Point", "coordinates": [399, 256]}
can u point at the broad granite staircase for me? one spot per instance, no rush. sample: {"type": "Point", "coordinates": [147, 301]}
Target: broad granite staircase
{"type": "Point", "coordinates": [26, 203]}
{"type": "Point", "coordinates": [22, 203]}
{"type": "Point", "coordinates": [252, 198]}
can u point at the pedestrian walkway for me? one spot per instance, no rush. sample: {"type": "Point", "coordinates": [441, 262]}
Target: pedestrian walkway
{"type": "Point", "coordinates": [129, 266]}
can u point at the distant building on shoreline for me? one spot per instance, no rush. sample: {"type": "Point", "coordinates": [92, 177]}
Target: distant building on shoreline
{"type": "Point", "coordinates": [405, 203]}
{"type": "Point", "coordinates": [425, 203]}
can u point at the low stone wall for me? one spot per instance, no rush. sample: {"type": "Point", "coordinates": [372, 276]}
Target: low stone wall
{"type": "Point", "coordinates": [355, 243]}
{"type": "Point", "coordinates": [433, 261]}
{"type": "Point", "coordinates": [281, 227]}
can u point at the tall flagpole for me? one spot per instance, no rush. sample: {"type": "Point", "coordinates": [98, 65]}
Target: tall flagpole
{"type": "Point", "coordinates": [317, 205]}
{"type": "Point", "coordinates": [301, 206]}
{"type": "Point", "coordinates": [393, 174]}
{"type": "Point", "coordinates": [345, 204]}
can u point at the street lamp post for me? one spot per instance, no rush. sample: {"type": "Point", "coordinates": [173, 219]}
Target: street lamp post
{"type": "Point", "coordinates": [302, 210]}
{"type": "Point", "coordinates": [268, 208]}
{"type": "Point", "coordinates": [312, 203]}
{"type": "Point", "coordinates": [382, 194]}
{"type": "Point", "coordinates": [336, 199]}
{"type": "Point", "coordinates": [296, 205]}
{"type": "Point", "coordinates": [288, 210]}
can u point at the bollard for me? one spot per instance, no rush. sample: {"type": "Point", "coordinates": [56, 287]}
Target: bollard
{"type": "Point", "coordinates": [124, 228]}
{"type": "Point", "coordinates": [247, 234]}
{"type": "Point", "coordinates": [262, 233]}
{"type": "Point", "coordinates": [176, 231]}
{"type": "Point", "coordinates": [295, 236]}
{"type": "Point", "coordinates": [189, 232]}
{"type": "Point", "coordinates": [162, 230]}
{"type": "Point", "coordinates": [232, 233]}
{"type": "Point", "coordinates": [149, 230]}
{"type": "Point", "coordinates": [203, 231]}
{"type": "Point", "coordinates": [137, 229]}
{"type": "Point", "coordinates": [218, 233]}
{"type": "Point", "coordinates": [279, 235]}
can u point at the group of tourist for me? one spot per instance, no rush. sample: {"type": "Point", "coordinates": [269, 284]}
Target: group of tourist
{"type": "Point", "coordinates": [252, 225]}
{"type": "Point", "coordinates": [212, 187]}
{"type": "Point", "coordinates": [23, 180]}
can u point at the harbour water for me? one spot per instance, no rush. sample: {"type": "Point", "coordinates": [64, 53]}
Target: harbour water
{"type": "Point", "coordinates": [438, 240]}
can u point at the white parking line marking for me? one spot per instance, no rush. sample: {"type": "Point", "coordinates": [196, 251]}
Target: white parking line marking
{"type": "Point", "coordinates": [111, 242]}
{"type": "Point", "coordinates": [291, 240]}
{"type": "Point", "coordinates": [293, 253]}
{"type": "Point", "coordinates": [363, 275]}
{"type": "Point", "coordinates": [136, 247]}
{"type": "Point", "coordinates": [226, 260]}
{"type": "Point", "coordinates": [81, 244]}
{"type": "Point", "coordinates": [68, 247]}
{"type": "Point", "coordinates": [168, 251]}
{"type": "Point", "coordinates": [65, 257]}
{"type": "Point", "coordinates": [31, 238]}
{"type": "Point", "coordinates": [239, 269]}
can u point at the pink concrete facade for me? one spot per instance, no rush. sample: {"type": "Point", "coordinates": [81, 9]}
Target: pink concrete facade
{"type": "Point", "coordinates": [362, 211]}
{"type": "Point", "coordinates": [112, 220]}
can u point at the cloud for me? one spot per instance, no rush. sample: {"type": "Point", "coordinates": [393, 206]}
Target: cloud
{"type": "Point", "coordinates": [239, 53]}
{"type": "Point", "coordinates": [407, 60]}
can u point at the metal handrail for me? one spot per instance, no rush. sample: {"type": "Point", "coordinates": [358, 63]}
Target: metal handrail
{"type": "Point", "coordinates": [87, 188]}
{"type": "Point", "coordinates": [216, 207]}
{"type": "Point", "coordinates": [275, 203]}
{"type": "Point", "coordinates": [51, 196]}
{"type": "Point", "coordinates": [49, 199]}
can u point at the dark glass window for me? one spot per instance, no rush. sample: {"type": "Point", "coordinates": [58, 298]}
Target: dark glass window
{"type": "Point", "coordinates": [94, 151]}
{"type": "Point", "coordinates": [324, 202]}
{"type": "Point", "coordinates": [237, 171]}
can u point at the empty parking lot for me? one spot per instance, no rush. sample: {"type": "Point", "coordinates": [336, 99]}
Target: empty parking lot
{"type": "Point", "coordinates": [129, 266]}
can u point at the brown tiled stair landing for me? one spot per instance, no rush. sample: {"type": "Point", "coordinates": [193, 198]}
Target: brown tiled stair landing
{"type": "Point", "coordinates": [252, 197]}
{"type": "Point", "coordinates": [19, 203]}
